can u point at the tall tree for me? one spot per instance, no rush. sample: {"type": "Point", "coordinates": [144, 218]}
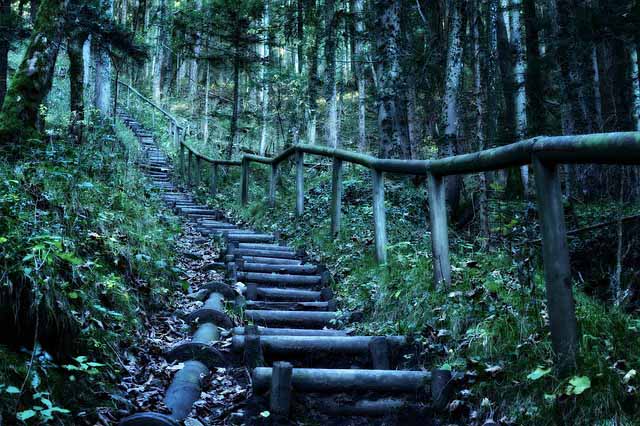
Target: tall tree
{"type": "Point", "coordinates": [32, 81]}
{"type": "Point", "coordinates": [452, 83]}
{"type": "Point", "coordinates": [264, 80]}
{"type": "Point", "coordinates": [102, 95]}
{"type": "Point", "coordinates": [330, 84]}
{"type": "Point", "coordinates": [358, 11]}
{"type": "Point", "coordinates": [394, 138]}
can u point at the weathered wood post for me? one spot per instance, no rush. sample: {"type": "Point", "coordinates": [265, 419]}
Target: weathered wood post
{"type": "Point", "coordinates": [273, 182]}
{"type": "Point", "coordinates": [379, 216]}
{"type": "Point", "coordinates": [189, 168]}
{"type": "Point", "coordinates": [214, 179]}
{"type": "Point", "coordinates": [244, 182]}
{"type": "Point", "coordinates": [299, 183]}
{"type": "Point", "coordinates": [439, 230]}
{"type": "Point", "coordinates": [128, 97]}
{"type": "Point", "coordinates": [176, 134]}
{"type": "Point", "coordinates": [557, 269]}
{"type": "Point", "coordinates": [198, 171]}
{"type": "Point", "coordinates": [280, 398]}
{"type": "Point", "coordinates": [181, 162]}
{"type": "Point", "coordinates": [336, 197]}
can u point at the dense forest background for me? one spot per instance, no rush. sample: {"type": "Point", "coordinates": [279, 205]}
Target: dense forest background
{"type": "Point", "coordinates": [84, 255]}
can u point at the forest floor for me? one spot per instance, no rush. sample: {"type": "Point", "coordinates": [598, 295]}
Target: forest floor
{"type": "Point", "coordinates": [148, 373]}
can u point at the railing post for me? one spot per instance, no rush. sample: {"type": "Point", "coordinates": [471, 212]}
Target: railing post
{"type": "Point", "coordinates": [198, 171]}
{"type": "Point", "coordinates": [128, 97]}
{"type": "Point", "coordinates": [181, 162]}
{"type": "Point", "coordinates": [557, 269]}
{"type": "Point", "coordinates": [379, 216]}
{"type": "Point", "coordinates": [176, 134]}
{"type": "Point", "coordinates": [273, 182]}
{"type": "Point", "coordinates": [299, 183]}
{"type": "Point", "coordinates": [214, 179]}
{"type": "Point", "coordinates": [244, 182]}
{"type": "Point", "coordinates": [189, 167]}
{"type": "Point", "coordinates": [439, 230]}
{"type": "Point", "coordinates": [336, 197]}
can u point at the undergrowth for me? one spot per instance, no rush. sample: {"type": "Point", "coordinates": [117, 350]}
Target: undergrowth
{"type": "Point", "coordinates": [83, 251]}
{"type": "Point", "coordinates": [491, 323]}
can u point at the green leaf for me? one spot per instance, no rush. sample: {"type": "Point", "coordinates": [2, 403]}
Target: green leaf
{"type": "Point", "coordinates": [12, 390]}
{"type": "Point", "coordinates": [24, 415]}
{"type": "Point", "coordinates": [3, 240]}
{"type": "Point", "coordinates": [538, 373]}
{"type": "Point", "coordinates": [72, 295]}
{"type": "Point", "coordinates": [265, 414]}
{"type": "Point", "coordinates": [578, 385]}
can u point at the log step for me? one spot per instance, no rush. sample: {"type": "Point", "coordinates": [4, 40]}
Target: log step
{"type": "Point", "coordinates": [271, 260]}
{"type": "Point", "coordinates": [279, 269]}
{"type": "Point", "coordinates": [265, 253]}
{"type": "Point", "coordinates": [293, 345]}
{"type": "Point", "coordinates": [292, 319]}
{"type": "Point", "coordinates": [291, 306]}
{"type": "Point", "coordinates": [290, 294]}
{"type": "Point", "coordinates": [251, 238]}
{"type": "Point", "coordinates": [279, 279]}
{"type": "Point", "coordinates": [347, 380]}
{"type": "Point", "coordinates": [264, 331]}
{"type": "Point", "coordinates": [265, 246]}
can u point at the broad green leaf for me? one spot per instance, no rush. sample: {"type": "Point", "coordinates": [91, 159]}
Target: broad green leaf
{"type": "Point", "coordinates": [538, 373]}
{"type": "Point", "coordinates": [24, 415]}
{"type": "Point", "coordinates": [12, 390]}
{"type": "Point", "coordinates": [578, 384]}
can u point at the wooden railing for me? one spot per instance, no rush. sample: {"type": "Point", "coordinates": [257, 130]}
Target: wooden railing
{"type": "Point", "coordinates": [543, 153]}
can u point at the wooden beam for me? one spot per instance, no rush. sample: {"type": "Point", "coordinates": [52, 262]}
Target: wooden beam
{"type": "Point", "coordinates": [299, 183]}
{"type": "Point", "coordinates": [214, 179]}
{"type": "Point", "coordinates": [336, 197]}
{"type": "Point", "coordinates": [439, 231]}
{"type": "Point", "coordinates": [273, 183]}
{"type": "Point", "coordinates": [244, 183]}
{"type": "Point", "coordinates": [557, 269]}
{"type": "Point", "coordinates": [181, 162]}
{"type": "Point", "coordinates": [189, 168]}
{"type": "Point", "coordinates": [280, 398]}
{"type": "Point", "coordinates": [379, 216]}
{"type": "Point", "coordinates": [198, 172]}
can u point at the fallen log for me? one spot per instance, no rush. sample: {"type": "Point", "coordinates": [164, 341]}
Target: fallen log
{"type": "Point", "coordinates": [212, 311]}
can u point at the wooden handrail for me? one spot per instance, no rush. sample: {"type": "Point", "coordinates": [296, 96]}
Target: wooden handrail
{"type": "Point", "coordinates": [543, 153]}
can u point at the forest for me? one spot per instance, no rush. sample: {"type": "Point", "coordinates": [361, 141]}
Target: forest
{"type": "Point", "coordinates": [341, 212]}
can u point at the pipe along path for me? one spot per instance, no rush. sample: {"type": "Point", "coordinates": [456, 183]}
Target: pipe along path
{"type": "Point", "coordinates": [292, 339]}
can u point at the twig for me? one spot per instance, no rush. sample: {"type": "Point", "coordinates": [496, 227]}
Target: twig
{"type": "Point", "coordinates": [590, 228]}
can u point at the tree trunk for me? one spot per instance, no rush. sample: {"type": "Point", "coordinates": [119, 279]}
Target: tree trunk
{"type": "Point", "coordinates": [519, 73]}
{"type": "Point", "coordinates": [75, 44]}
{"type": "Point", "coordinates": [205, 124]}
{"type": "Point", "coordinates": [233, 132]}
{"type": "Point", "coordinates": [5, 44]}
{"type": "Point", "coordinates": [360, 73]}
{"type": "Point", "coordinates": [313, 79]}
{"type": "Point", "coordinates": [392, 121]}
{"type": "Point", "coordinates": [264, 81]}
{"type": "Point", "coordinates": [452, 79]}
{"type": "Point", "coordinates": [635, 86]}
{"type": "Point", "coordinates": [102, 94]}
{"type": "Point", "coordinates": [597, 94]}
{"type": "Point", "coordinates": [158, 59]}
{"type": "Point", "coordinates": [32, 81]}
{"type": "Point", "coordinates": [480, 115]}
{"type": "Point", "coordinates": [491, 81]}
{"type": "Point", "coordinates": [331, 93]}
{"type": "Point", "coordinates": [300, 34]}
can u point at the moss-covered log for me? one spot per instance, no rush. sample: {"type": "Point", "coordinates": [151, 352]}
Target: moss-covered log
{"type": "Point", "coordinates": [32, 81]}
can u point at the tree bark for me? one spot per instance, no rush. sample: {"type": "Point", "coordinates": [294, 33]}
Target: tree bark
{"type": "Point", "coordinates": [519, 73]}
{"type": "Point", "coordinates": [392, 121]}
{"type": "Point", "coordinates": [480, 118]}
{"type": "Point", "coordinates": [264, 81]}
{"type": "Point", "coordinates": [635, 86]}
{"type": "Point", "coordinates": [331, 93]}
{"type": "Point", "coordinates": [450, 113]}
{"type": "Point", "coordinates": [32, 81]}
{"type": "Point", "coordinates": [358, 10]}
{"type": "Point", "coordinates": [5, 44]}
{"type": "Point", "coordinates": [75, 43]}
{"type": "Point", "coordinates": [158, 59]}
{"type": "Point", "coordinates": [313, 79]}
{"type": "Point", "coordinates": [102, 94]}
{"type": "Point", "coordinates": [233, 131]}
